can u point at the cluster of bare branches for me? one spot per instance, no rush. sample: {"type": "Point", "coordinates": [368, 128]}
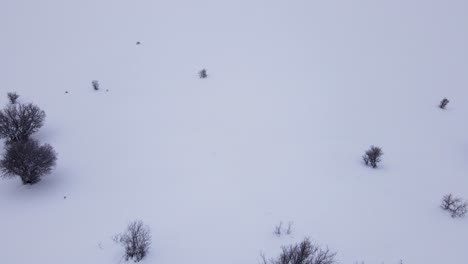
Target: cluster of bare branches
{"type": "Point", "coordinates": [303, 253]}
{"type": "Point", "coordinates": [454, 205]}
{"type": "Point", "coordinates": [13, 97]}
{"type": "Point", "coordinates": [280, 230]}
{"type": "Point", "coordinates": [372, 156]}
{"type": "Point", "coordinates": [24, 157]}
{"type": "Point", "coordinates": [28, 160]}
{"type": "Point", "coordinates": [19, 121]}
{"type": "Point", "coordinates": [136, 240]}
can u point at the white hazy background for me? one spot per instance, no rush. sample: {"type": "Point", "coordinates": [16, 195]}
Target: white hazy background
{"type": "Point", "coordinates": [297, 91]}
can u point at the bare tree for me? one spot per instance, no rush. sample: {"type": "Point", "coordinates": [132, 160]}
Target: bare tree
{"type": "Point", "coordinates": [443, 103]}
{"type": "Point", "coordinates": [19, 121]}
{"type": "Point", "coordinates": [454, 205]}
{"type": "Point", "coordinates": [373, 156]}
{"type": "Point", "coordinates": [28, 160]}
{"type": "Point", "coordinates": [203, 74]}
{"type": "Point", "coordinates": [303, 253]}
{"type": "Point", "coordinates": [136, 241]}
{"type": "Point", "coordinates": [13, 97]}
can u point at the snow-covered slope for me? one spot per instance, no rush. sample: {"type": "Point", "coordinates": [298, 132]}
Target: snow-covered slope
{"type": "Point", "coordinates": [297, 91]}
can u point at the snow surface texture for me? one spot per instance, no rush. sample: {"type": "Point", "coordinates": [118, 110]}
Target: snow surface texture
{"type": "Point", "coordinates": [296, 92]}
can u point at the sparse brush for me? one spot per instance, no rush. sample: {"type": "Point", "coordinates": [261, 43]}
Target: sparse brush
{"type": "Point", "coordinates": [373, 156]}
{"type": "Point", "coordinates": [136, 240]}
{"type": "Point", "coordinates": [290, 228]}
{"type": "Point", "coordinates": [95, 85]}
{"type": "Point", "coordinates": [278, 228]}
{"type": "Point", "coordinates": [303, 253]}
{"type": "Point", "coordinates": [13, 97]}
{"type": "Point", "coordinates": [203, 74]}
{"type": "Point", "coordinates": [443, 103]}
{"type": "Point", "coordinates": [454, 205]}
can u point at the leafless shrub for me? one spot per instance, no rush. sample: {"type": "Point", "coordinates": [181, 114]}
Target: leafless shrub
{"type": "Point", "coordinates": [203, 74]}
{"type": "Point", "coordinates": [136, 241]}
{"type": "Point", "coordinates": [373, 156]}
{"type": "Point", "coordinates": [454, 205]}
{"type": "Point", "coordinates": [278, 229]}
{"type": "Point", "coordinates": [95, 85]}
{"type": "Point", "coordinates": [19, 121]}
{"type": "Point", "coordinates": [13, 97]}
{"type": "Point", "coordinates": [443, 103]}
{"type": "Point", "coordinates": [289, 229]}
{"type": "Point", "coordinates": [28, 160]}
{"type": "Point", "coordinates": [303, 253]}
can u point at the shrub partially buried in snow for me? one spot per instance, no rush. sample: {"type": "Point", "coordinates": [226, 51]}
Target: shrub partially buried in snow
{"type": "Point", "coordinates": [136, 241]}
{"type": "Point", "coordinates": [443, 103]}
{"type": "Point", "coordinates": [373, 156]}
{"type": "Point", "coordinates": [202, 74]}
{"type": "Point", "coordinates": [303, 253]}
{"type": "Point", "coordinates": [28, 160]}
{"type": "Point", "coordinates": [454, 205]}
{"type": "Point", "coordinates": [95, 85]}
{"type": "Point", "coordinates": [19, 121]}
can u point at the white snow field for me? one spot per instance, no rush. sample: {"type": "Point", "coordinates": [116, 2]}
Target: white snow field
{"type": "Point", "coordinates": [297, 91]}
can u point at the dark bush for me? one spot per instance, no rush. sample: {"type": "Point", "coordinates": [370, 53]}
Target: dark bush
{"type": "Point", "coordinates": [455, 206]}
{"type": "Point", "coordinates": [19, 121]}
{"type": "Point", "coordinates": [202, 74]}
{"type": "Point", "coordinates": [28, 160]}
{"type": "Point", "coordinates": [136, 241]}
{"type": "Point", "coordinates": [443, 103]}
{"type": "Point", "coordinates": [373, 156]}
{"type": "Point", "coordinates": [95, 85]}
{"type": "Point", "coordinates": [303, 253]}
{"type": "Point", "coordinates": [13, 97]}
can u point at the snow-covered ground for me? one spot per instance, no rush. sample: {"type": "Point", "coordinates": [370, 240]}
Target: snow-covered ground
{"type": "Point", "coordinates": [297, 91]}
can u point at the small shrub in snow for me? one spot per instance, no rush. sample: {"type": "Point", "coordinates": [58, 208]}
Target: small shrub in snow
{"type": "Point", "coordinates": [278, 229]}
{"type": "Point", "coordinates": [303, 253]}
{"type": "Point", "coordinates": [454, 205]}
{"type": "Point", "coordinates": [95, 85]}
{"type": "Point", "coordinates": [443, 103]}
{"type": "Point", "coordinates": [202, 74]}
{"type": "Point", "coordinates": [289, 229]}
{"type": "Point", "coordinates": [13, 97]}
{"type": "Point", "coordinates": [19, 121]}
{"type": "Point", "coordinates": [28, 160]}
{"type": "Point", "coordinates": [136, 241]}
{"type": "Point", "coordinates": [373, 156]}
